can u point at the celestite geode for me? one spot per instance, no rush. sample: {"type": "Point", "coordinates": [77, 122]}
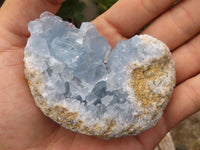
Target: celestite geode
{"type": "Point", "coordinates": [77, 80]}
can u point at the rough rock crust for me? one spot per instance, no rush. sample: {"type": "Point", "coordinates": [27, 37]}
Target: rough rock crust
{"type": "Point", "coordinates": [148, 80]}
{"type": "Point", "coordinates": [71, 120]}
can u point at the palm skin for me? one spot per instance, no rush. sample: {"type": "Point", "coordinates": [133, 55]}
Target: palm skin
{"type": "Point", "coordinates": [24, 127]}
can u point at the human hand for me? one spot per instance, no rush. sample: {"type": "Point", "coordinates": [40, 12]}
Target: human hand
{"type": "Point", "coordinates": [23, 126]}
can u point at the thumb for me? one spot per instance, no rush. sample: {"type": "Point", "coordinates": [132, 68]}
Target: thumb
{"type": "Point", "coordinates": [15, 14]}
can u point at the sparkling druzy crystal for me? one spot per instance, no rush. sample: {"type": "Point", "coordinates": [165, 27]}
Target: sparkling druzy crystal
{"type": "Point", "coordinates": [77, 80]}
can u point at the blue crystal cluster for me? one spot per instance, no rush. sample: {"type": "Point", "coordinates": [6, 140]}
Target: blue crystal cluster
{"type": "Point", "coordinates": [79, 72]}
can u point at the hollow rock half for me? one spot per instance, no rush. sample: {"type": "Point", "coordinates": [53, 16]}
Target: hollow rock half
{"type": "Point", "coordinates": [77, 80]}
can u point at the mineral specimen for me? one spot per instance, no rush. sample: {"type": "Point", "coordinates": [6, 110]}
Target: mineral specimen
{"type": "Point", "coordinates": [77, 80]}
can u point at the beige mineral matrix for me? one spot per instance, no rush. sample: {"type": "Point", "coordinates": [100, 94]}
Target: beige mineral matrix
{"type": "Point", "coordinates": [77, 80]}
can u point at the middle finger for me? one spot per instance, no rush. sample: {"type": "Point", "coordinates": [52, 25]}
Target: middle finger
{"type": "Point", "coordinates": [178, 25]}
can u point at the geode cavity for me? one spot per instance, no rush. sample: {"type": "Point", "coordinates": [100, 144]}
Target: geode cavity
{"type": "Point", "coordinates": [77, 80]}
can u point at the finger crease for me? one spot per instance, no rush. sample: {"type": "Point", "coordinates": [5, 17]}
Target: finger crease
{"type": "Point", "coordinates": [52, 137]}
{"type": "Point", "coordinates": [193, 95]}
{"type": "Point", "coordinates": [112, 26]}
{"type": "Point", "coordinates": [188, 16]}
{"type": "Point", "coordinates": [151, 11]}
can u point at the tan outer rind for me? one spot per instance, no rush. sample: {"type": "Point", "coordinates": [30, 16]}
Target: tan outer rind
{"type": "Point", "coordinates": [71, 120]}
{"type": "Point", "coordinates": [142, 75]}
{"type": "Point", "coordinates": [68, 119]}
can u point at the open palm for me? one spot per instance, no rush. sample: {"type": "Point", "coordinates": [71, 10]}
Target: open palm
{"type": "Point", "coordinates": [24, 127]}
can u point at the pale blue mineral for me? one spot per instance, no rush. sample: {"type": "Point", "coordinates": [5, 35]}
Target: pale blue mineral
{"type": "Point", "coordinates": [77, 80]}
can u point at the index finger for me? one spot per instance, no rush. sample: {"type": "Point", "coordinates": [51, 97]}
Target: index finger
{"type": "Point", "coordinates": [15, 14]}
{"type": "Point", "coordinates": [126, 17]}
